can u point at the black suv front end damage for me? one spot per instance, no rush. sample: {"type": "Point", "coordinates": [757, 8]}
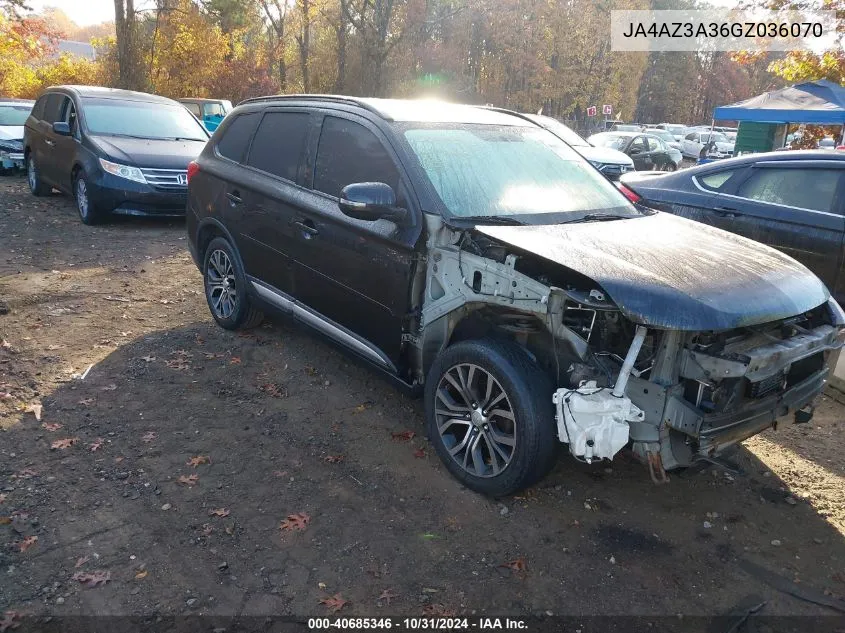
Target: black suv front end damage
{"type": "Point", "coordinates": [669, 362]}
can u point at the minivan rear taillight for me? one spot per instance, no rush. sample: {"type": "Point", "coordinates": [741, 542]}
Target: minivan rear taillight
{"type": "Point", "coordinates": [193, 168]}
{"type": "Point", "coordinates": [629, 193]}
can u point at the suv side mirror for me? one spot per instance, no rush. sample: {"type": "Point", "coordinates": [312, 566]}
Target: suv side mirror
{"type": "Point", "coordinates": [61, 128]}
{"type": "Point", "coordinates": [371, 201]}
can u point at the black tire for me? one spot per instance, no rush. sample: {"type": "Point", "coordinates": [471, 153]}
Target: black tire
{"type": "Point", "coordinates": [239, 313]}
{"type": "Point", "coordinates": [528, 393]}
{"type": "Point", "coordinates": [89, 211]}
{"type": "Point", "coordinates": [670, 166]}
{"type": "Point", "coordinates": [33, 177]}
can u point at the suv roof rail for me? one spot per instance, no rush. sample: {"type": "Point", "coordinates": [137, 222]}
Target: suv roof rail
{"type": "Point", "coordinates": [357, 101]}
{"type": "Point", "coordinates": [521, 115]}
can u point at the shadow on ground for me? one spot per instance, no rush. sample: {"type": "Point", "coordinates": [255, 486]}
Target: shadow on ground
{"type": "Point", "coordinates": [262, 414]}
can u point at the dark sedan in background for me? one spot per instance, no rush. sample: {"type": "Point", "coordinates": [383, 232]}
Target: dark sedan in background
{"type": "Point", "coordinates": [115, 151]}
{"type": "Point", "coordinates": [648, 152]}
{"type": "Point", "coordinates": [792, 201]}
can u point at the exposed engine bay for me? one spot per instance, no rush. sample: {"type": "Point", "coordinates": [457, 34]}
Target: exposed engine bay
{"type": "Point", "coordinates": [674, 396]}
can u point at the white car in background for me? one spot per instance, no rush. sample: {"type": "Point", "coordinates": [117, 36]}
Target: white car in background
{"type": "Point", "coordinates": [675, 129]}
{"type": "Point", "coordinates": [13, 115]}
{"type": "Point", "coordinates": [695, 141]}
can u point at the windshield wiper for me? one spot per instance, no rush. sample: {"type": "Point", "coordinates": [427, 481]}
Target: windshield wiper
{"type": "Point", "coordinates": [598, 217]}
{"type": "Point", "coordinates": [490, 219]}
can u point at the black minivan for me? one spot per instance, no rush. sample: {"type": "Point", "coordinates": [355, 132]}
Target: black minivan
{"type": "Point", "coordinates": [115, 151]}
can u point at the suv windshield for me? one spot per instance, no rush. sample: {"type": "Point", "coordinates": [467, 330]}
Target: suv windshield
{"type": "Point", "coordinates": [112, 117]}
{"type": "Point", "coordinates": [14, 114]}
{"type": "Point", "coordinates": [493, 170]}
{"type": "Point", "coordinates": [559, 129]}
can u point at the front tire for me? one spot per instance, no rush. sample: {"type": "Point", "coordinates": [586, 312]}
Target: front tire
{"type": "Point", "coordinates": [225, 288]}
{"type": "Point", "coordinates": [490, 417]}
{"type": "Point", "coordinates": [33, 177]}
{"type": "Point", "coordinates": [89, 211]}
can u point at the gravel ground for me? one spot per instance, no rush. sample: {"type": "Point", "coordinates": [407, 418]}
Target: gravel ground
{"type": "Point", "coordinates": [173, 477]}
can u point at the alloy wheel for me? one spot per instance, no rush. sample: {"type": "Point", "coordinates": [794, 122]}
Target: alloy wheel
{"type": "Point", "coordinates": [31, 174]}
{"type": "Point", "coordinates": [475, 420]}
{"type": "Point", "coordinates": [82, 202]}
{"type": "Point", "coordinates": [220, 284]}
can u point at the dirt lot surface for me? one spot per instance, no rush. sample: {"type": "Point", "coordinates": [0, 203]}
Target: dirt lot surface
{"type": "Point", "coordinates": [165, 477]}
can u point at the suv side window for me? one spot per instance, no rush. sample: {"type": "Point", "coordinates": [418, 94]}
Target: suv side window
{"type": "Point", "coordinates": [691, 137]}
{"type": "Point", "coordinates": [791, 187]}
{"type": "Point", "coordinates": [348, 153]}
{"type": "Point", "coordinates": [53, 107]}
{"type": "Point", "coordinates": [68, 114]}
{"type": "Point", "coordinates": [279, 143]}
{"type": "Point", "coordinates": [235, 140]}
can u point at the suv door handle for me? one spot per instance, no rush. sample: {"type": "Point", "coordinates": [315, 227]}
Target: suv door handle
{"type": "Point", "coordinates": [234, 197]}
{"type": "Point", "coordinates": [307, 227]}
{"type": "Point", "coordinates": [725, 212]}
{"type": "Point", "coordinates": [50, 143]}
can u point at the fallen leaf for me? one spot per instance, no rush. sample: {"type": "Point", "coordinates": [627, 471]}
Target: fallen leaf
{"type": "Point", "coordinates": [235, 360]}
{"type": "Point", "coordinates": [96, 445]}
{"type": "Point", "coordinates": [52, 426]}
{"type": "Point", "coordinates": [36, 409]}
{"type": "Point", "coordinates": [419, 453]}
{"type": "Point", "coordinates": [517, 565]}
{"type": "Point", "coordinates": [93, 579]}
{"type": "Point", "coordinates": [5, 344]}
{"type": "Point", "coordinates": [335, 603]}
{"type": "Point", "coordinates": [273, 390]}
{"type": "Point", "coordinates": [438, 610]}
{"type": "Point", "coordinates": [5, 520]}
{"type": "Point", "coordinates": [65, 443]}
{"type": "Point", "coordinates": [141, 575]}
{"type": "Point", "coordinates": [334, 459]}
{"type": "Point", "coordinates": [110, 387]}
{"type": "Point", "coordinates": [219, 512]}
{"type": "Point", "coordinates": [148, 359]}
{"type": "Point", "coordinates": [2, 498]}
{"type": "Point", "coordinates": [178, 364]}
{"type": "Point", "coordinates": [81, 561]}
{"type": "Point", "coordinates": [26, 473]}
{"type": "Point", "coordinates": [149, 436]}
{"type": "Point", "coordinates": [280, 473]}
{"type": "Point", "coordinates": [207, 529]}
{"type": "Point", "coordinates": [190, 480]}
{"type": "Point", "coordinates": [198, 460]}
{"type": "Point", "coordinates": [298, 521]}
{"type": "Point", "coordinates": [10, 619]}
{"type": "Point", "coordinates": [28, 542]}
{"type": "Point", "coordinates": [404, 436]}
{"type": "Point", "coordinates": [311, 371]}
{"type": "Point", "coordinates": [386, 596]}
{"type": "Point", "coordinates": [360, 408]}
{"type": "Point", "coordinates": [86, 402]}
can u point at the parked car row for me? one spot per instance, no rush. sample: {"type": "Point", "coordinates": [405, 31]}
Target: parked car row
{"type": "Point", "coordinates": [480, 258]}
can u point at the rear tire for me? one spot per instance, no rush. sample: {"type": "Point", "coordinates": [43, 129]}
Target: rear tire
{"type": "Point", "coordinates": [505, 442]}
{"type": "Point", "coordinates": [33, 177]}
{"type": "Point", "coordinates": [225, 288]}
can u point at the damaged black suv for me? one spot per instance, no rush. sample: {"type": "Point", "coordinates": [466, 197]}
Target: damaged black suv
{"type": "Point", "coordinates": [476, 258]}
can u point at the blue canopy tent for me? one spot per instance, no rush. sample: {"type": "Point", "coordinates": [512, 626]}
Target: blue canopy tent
{"type": "Point", "coordinates": [821, 102]}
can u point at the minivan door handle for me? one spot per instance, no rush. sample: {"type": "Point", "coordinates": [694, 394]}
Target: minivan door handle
{"type": "Point", "coordinates": [725, 212]}
{"type": "Point", "coordinates": [50, 143]}
{"type": "Point", "coordinates": [234, 197]}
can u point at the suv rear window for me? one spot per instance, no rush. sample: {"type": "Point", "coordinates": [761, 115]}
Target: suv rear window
{"type": "Point", "coordinates": [279, 142]}
{"type": "Point", "coordinates": [349, 153]}
{"type": "Point", "coordinates": [235, 140]}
